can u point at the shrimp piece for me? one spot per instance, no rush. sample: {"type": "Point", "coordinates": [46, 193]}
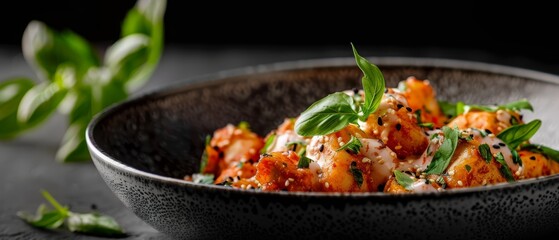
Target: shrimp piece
{"type": "Point", "coordinates": [396, 126]}
{"type": "Point", "coordinates": [283, 136]}
{"type": "Point", "coordinates": [421, 96]}
{"type": "Point", "coordinates": [229, 147]}
{"type": "Point", "coordinates": [537, 165]}
{"type": "Point", "coordinates": [279, 171]}
{"type": "Point", "coordinates": [344, 170]}
{"type": "Point", "coordinates": [495, 122]}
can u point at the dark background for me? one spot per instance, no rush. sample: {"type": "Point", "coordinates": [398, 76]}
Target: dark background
{"type": "Point", "coordinates": [467, 31]}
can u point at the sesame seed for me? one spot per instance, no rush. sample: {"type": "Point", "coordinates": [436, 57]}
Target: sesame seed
{"type": "Point", "coordinates": [365, 160]}
{"type": "Point", "coordinates": [399, 105]}
{"type": "Point", "coordinates": [252, 151]}
{"type": "Point", "coordinates": [375, 132]}
{"type": "Point", "coordinates": [286, 183]}
{"type": "Point", "coordinates": [502, 144]}
{"type": "Point", "coordinates": [327, 185]}
{"type": "Point", "coordinates": [533, 158]}
{"type": "Point", "coordinates": [393, 154]}
{"type": "Point", "coordinates": [284, 153]}
{"type": "Point", "coordinates": [398, 147]}
{"type": "Point", "coordinates": [409, 109]}
{"type": "Point", "coordinates": [340, 139]}
{"type": "Point", "coordinates": [291, 179]}
{"type": "Point", "coordinates": [496, 146]}
{"type": "Point", "coordinates": [398, 126]}
{"type": "Point", "coordinates": [451, 172]}
{"type": "Point", "coordinates": [488, 131]}
{"type": "Point", "coordinates": [243, 186]}
{"type": "Point", "coordinates": [484, 182]}
{"type": "Point", "coordinates": [321, 148]}
{"type": "Point", "coordinates": [381, 161]}
{"type": "Point", "coordinates": [460, 183]}
{"type": "Point", "coordinates": [379, 121]}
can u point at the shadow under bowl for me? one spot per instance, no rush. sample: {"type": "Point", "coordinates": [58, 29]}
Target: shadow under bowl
{"type": "Point", "coordinates": [143, 147]}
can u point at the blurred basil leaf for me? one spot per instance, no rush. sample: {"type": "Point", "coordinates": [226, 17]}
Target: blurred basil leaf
{"type": "Point", "coordinates": [39, 103]}
{"type": "Point", "coordinates": [128, 56]}
{"type": "Point", "coordinates": [73, 147]}
{"type": "Point", "coordinates": [94, 224]}
{"type": "Point", "coordinates": [45, 50]}
{"type": "Point", "coordinates": [146, 18]}
{"type": "Point", "coordinates": [11, 93]}
{"type": "Point", "coordinates": [104, 91]}
{"type": "Point", "coordinates": [44, 218]}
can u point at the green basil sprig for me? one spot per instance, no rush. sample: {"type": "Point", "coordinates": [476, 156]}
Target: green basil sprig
{"type": "Point", "coordinates": [75, 81]}
{"type": "Point", "coordinates": [337, 110]}
{"type": "Point", "coordinates": [549, 152]}
{"type": "Point", "coordinates": [442, 157]}
{"type": "Point", "coordinates": [87, 223]}
{"type": "Point", "coordinates": [515, 135]}
{"type": "Point", "coordinates": [403, 179]}
{"type": "Point", "coordinates": [454, 109]}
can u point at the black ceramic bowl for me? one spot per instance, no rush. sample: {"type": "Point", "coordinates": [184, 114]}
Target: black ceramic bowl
{"type": "Point", "coordinates": [143, 147]}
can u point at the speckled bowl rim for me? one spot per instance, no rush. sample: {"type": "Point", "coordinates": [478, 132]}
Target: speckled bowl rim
{"type": "Point", "coordinates": [217, 78]}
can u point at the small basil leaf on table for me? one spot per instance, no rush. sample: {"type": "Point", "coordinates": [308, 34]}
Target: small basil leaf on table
{"type": "Point", "coordinates": [94, 224]}
{"type": "Point", "coordinates": [44, 218]}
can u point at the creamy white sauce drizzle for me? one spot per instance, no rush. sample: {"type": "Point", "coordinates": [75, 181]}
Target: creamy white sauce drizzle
{"type": "Point", "coordinates": [381, 157]}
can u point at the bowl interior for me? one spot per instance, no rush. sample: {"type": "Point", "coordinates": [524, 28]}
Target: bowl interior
{"type": "Point", "coordinates": [163, 133]}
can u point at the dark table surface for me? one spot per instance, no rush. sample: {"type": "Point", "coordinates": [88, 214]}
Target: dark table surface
{"type": "Point", "coordinates": [27, 163]}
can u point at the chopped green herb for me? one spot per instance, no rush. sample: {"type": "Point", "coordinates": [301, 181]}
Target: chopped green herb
{"type": "Point", "coordinates": [404, 180]}
{"type": "Point", "coordinates": [505, 170]}
{"type": "Point", "coordinates": [352, 145]}
{"type": "Point", "coordinates": [515, 157]}
{"type": "Point", "coordinates": [444, 153]}
{"type": "Point", "coordinates": [294, 145]}
{"type": "Point", "coordinates": [516, 135]}
{"type": "Point", "coordinates": [468, 167]}
{"type": "Point", "coordinates": [427, 125]}
{"type": "Point", "coordinates": [244, 125]}
{"type": "Point", "coordinates": [268, 143]}
{"type": "Point", "coordinates": [485, 152]}
{"type": "Point", "coordinates": [203, 178]}
{"type": "Point", "coordinates": [549, 152]}
{"type": "Point", "coordinates": [204, 158]}
{"type": "Point", "coordinates": [357, 173]}
{"type": "Point", "coordinates": [454, 109]}
{"type": "Point", "coordinates": [482, 133]}
{"type": "Point", "coordinates": [420, 123]}
{"type": "Point", "coordinates": [304, 162]}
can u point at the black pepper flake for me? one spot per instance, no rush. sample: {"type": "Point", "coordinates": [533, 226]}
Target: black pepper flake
{"type": "Point", "coordinates": [216, 148]}
{"type": "Point", "coordinates": [321, 148]}
{"type": "Point", "coordinates": [496, 146]}
{"type": "Point", "coordinates": [533, 158]}
{"type": "Point", "coordinates": [426, 134]}
{"type": "Point", "coordinates": [398, 126]}
{"type": "Point", "coordinates": [355, 90]}
{"type": "Point", "coordinates": [221, 155]}
{"type": "Point", "coordinates": [380, 187]}
{"type": "Point", "coordinates": [399, 106]}
{"type": "Point", "coordinates": [238, 178]}
{"type": "Point", "coordinates": [488, 131]}
{"type": "Point", "coordinates": [471, 136]}
{"type": "Point", "coordinates": [230, 179]}
{"type": "Point", "coordinates": [409, 109]}
{"type": "Point", "coordinates": [294, 148]}
{"type": "Point", "coordinates": [379, 121]}
{"type": "Point", "coordinates": [502, 144]}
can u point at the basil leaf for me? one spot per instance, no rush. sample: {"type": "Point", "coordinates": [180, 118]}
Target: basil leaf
{"type": "Point", "coordinates": [404, 180]}
{"type": "Point", "coordinates": [444, 154]}
{"type": "Point", "coordinates": [268, 143]}
{"type": "Point", "coordinates": [357, 173]}
{"type": "Point", "coordinates": [40, 102]}
{"type": "Point", "coordinates": [373, 84]}
{"type": "Point", "coordinates": [485, 152]}
{"type": "Point", "coordinates": [43, 218]}
{"type": "Point", "coordinates": [352, 145]}
{"type": "Point", "coordinates": [505, 170]}
{"type": "Point", "coordinates": [468, 167]}
{"type": "Point", "coordinates": [515, 135]}
{"type": "Point", "coordinates": [448, 109]}
{"type": "Point", "coordinates": [327, 115]}
{"type": "Point", "coordinates": [549, 152]}
{"type": "Point", "coordinates": [46, 49]}
{"type": "Point", "coordinates": [203, 178]}
{"type": "Point", "coordinates": [104, 91]}
{"type": "Point", "coordinates": [518, 105]}
{"type": "Point", "coordinates": [94, 224]}
{"type": "Point", "coordinates": [127, 57]}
